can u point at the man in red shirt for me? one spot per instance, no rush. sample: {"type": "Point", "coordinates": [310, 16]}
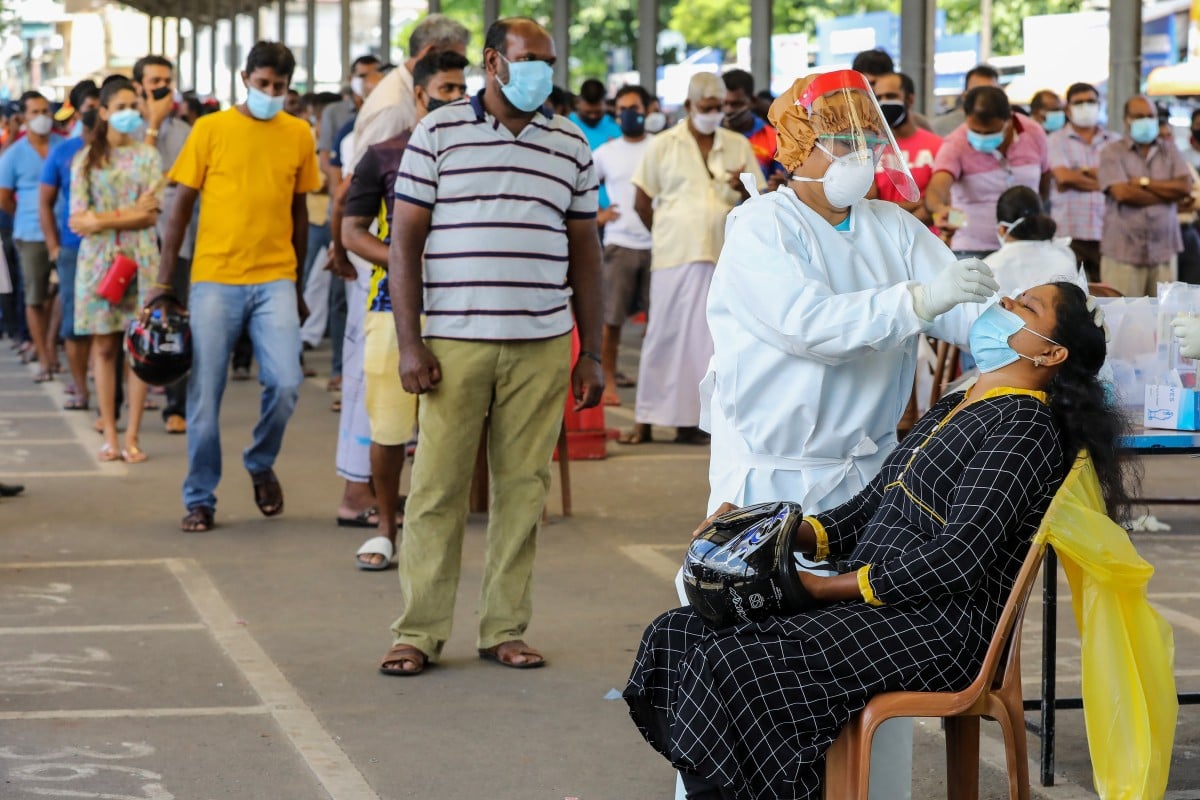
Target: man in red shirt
{"type": "Point", "coordinates": [896, 92]}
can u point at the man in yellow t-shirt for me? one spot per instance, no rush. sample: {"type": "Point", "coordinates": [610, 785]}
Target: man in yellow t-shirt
{"type": "Point", "coordinates": [252, 166]}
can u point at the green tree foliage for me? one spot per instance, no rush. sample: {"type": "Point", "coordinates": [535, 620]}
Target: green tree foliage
{"type": "Point", "coordinates": [962, 16]}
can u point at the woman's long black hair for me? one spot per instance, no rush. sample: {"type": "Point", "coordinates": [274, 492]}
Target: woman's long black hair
{"type": "Point", "coordinates": [1084, 409]}
{"type": "Point", "coordinates": [1022, 203]}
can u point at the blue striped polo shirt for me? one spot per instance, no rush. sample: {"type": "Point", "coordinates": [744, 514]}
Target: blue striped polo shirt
{"type": "Point", "coordinates": [496, 256]}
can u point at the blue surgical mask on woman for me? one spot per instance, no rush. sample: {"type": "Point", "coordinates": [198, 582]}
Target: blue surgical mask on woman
{"type": "Point", "coordinates": [985, 142]}
{"type": "Point", "coordinates": [126, 121]}
{"type": "Point", "coordinates": [989, 339]}
{"type": "Point", "coordinates": [1144, 131]}
{"type": "Point", "coordinates": [1054, 121]}
{"type": "Point", "coordinates": [262, 105]}
{"type": "Point", "coordinates": [529, 84]}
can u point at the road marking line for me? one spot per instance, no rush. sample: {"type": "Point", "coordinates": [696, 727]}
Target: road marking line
{"type": "Point", "coordinates": [1179, 619]}
{"type": "Point", "coordinates": [111, 562]}
{"type": "Point", "coordinates": [327, 761]}
{"type": "Point", "coordinates": [32, 415]}
{"type": "Point", "coordinates": [39, 442]}
{"type": "Point", "coordinates": [145, 713]}
{"type": "Point", "coordinates": [21, 393]}
{"type": "Point", "coordinates": [649, 557]}
{"type": "Point", "coordinates": [106, 471]}
{"type": "Point", "coordinates": [61, 629]}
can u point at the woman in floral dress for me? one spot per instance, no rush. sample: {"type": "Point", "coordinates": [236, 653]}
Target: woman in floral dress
{"type": "Point", "coordinates": [114, 204]}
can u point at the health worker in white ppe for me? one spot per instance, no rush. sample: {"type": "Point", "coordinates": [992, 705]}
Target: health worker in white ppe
{"type": "Point", "coordinates": [815, 309]}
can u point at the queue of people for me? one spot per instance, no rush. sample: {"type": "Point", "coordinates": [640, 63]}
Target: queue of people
{"type": "Point", "coordinates": [788, 267]}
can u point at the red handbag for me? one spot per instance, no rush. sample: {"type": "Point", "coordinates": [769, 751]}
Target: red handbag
{"type": "Point", "coordinates": [116, 280]}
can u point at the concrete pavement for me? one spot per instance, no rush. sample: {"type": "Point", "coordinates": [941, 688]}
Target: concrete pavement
{"type": "Point", "coordinates": [140, 662]}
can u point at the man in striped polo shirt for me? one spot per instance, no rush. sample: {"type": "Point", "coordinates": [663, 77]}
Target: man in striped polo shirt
{"type": "Point", "coordinates": [498, 196]}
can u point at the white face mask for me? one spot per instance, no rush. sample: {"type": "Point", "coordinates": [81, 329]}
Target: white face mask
{"type": "Point", "coordinates": [1008, 228]}
{"type": "Point", "coordinates": [707, 124]}
{"type": "Point", "coordinates": [655, 121]}
{"type": "Point", "coordinates": [358, 85]}
{"type": "Point", "coordinates": [40, 126]}
{"type": "Point", "coordinates": [1085, 115]}
{"type": "Point", "coordinates": [848, 178]}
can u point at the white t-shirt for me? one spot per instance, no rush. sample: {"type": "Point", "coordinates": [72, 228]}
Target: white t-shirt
{"type": "Point", "coordinates": [1022, 265]}
{"type": "Point", "coordinates": [616, 161]}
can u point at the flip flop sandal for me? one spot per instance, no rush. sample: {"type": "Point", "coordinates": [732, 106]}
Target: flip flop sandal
{"type": "Point", "coordinates": [43, 377]}
{"type": "Point", "coordinates": [378, 546]}
{"type": "Point", "coordinates": [268, 494]}
{"type": "Point", "coordinates": [360, 520]}
{"type": "Point", "coordinates": [199, 519]}
{"type": "Point", "coordinates": [625, 382]}
{"type": "Point", "coordinates": [400, 653]}
{"type": "Point", "coordinates": [133, 455]}
{"type": "Point", "coordinates": [522, 649]}
{"type": "Point", "coordinates": [108, 453]}
{"type": "Point", "coordinates": [75, 404]}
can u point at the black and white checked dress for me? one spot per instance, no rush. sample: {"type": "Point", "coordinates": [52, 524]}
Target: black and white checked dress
{"type": "Point", "coordinates": [945, 525]}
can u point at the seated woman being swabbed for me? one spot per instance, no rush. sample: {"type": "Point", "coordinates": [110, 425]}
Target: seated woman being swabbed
{"type": "Point", "coordinates": [928, 554]}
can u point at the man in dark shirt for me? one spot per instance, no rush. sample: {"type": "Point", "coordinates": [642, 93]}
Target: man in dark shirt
{"type": "Point", "coordinates": [437, 79]}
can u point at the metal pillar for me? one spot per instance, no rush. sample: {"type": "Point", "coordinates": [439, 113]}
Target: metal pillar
{"type": "Point", "coordinates": [647, 45]}
{"type": "Point", "coordinates": [162, 37]}
{"type": "Point", "coordinates": [560, 21]}
{"type": "Point", "coordinates": [491, 13]}
{"type": "Point", "coordinates": [760, 42]}
{"type": "Point", "coordinates": [150, 34]}
{"type": "Point", "coordinates": [435, 6]}
{"type": "Point", "coordinates": [233, 59]}
{"type": "Point", "coordinates": [255, 24]}
{"type": "Point", "coordinates": [281, 13]}
{"type": "Point", "coordinates": [310, 43]}
{"type": "Point", "coordinates": [385, 31]}
{"type": "Point", "coordinates": [1124, 58]}
{"type": "Point", "coordinates": [916, 49]}
{"type": "Point", "coordinates": [344, 45]}
{"type": "Point", "coordinates": [178, 48]}
{"type": "Point", "coordinates": [212, 46]}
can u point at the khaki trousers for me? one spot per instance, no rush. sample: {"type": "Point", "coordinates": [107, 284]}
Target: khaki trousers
{"type": "Point", "coordinates": [520, 388]}
{"type": "Point", "coordinates": [1134, 280]}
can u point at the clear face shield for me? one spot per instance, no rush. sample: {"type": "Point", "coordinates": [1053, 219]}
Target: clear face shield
{"type": "Point", "coordinates": [848, 124]}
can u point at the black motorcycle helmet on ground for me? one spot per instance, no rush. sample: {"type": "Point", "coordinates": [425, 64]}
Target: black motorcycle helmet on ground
{"type": "Point", "coordinates": [160, 349]}
{"type": "Point", "coordinates": [740, 568]}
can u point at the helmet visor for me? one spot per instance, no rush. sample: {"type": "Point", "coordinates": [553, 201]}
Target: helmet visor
{"type": "Point", "coordinates": [846, 119]}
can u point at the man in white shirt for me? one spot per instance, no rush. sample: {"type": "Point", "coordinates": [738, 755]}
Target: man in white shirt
{"type": "Point", "coordinates": [685, 187]}
{"type": "Point", "coordinates": [627, 242]}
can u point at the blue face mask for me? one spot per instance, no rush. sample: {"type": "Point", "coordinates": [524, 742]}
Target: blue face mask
{"type": "Point", "coordinates": [985, 142]}
{"type": "Point", "coordinates": [1054, 121]}
{"type": "Point", "coordinates": [529, 84]}
{"type": "Point", "coordinates": [1143, 131]}
{"type": "Point", "coordinates": [262, 105]}
{"type": "Point", "coordinates": [989, 339]}
{"type": "Point", "coordinates": [127, 120]}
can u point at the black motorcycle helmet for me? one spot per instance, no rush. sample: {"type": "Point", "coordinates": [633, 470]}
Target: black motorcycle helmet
{"type": "Point", "coordinates": [740, 568]}
{"type": "Point", "coordinates": [159, 350]}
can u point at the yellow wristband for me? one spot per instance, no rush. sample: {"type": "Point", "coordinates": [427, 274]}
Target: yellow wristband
{"type": "Point", "coordinates": [822, 551]}
{"type": "Point", "coordinates": [864, 587]}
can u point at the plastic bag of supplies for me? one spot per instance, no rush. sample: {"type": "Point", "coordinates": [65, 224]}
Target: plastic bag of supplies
{"type": "Point", "coordinates": [1128, 650]}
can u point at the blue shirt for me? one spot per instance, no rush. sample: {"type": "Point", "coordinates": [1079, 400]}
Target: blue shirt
{"type": "Point", "coordinates": [21, 171]}
{"type": "Point", "coordinates": [57, 173]}
{"type": "Point", "coordinates": [605, 131]}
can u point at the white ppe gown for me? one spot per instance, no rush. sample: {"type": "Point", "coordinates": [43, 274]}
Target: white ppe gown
{"type": "Point", "coordinates": [815, 354]}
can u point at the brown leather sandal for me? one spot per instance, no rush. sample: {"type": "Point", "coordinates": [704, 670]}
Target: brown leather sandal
{"type": "Point", "coordinates": [268, 494]}
{"type": "Point", "coordinates": [402, 654]}
{"type": "Point", "coordinates": [199, 519]}
{"type": "Point", "coordinates": [504, 653]}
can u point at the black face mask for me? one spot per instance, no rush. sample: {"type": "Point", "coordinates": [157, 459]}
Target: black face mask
{"type": "Point", "coordinates": [633, 122]}
{"type": "Point", "coordinates": [895, 113]}
{"type": "Point", "coordinates": [739, 119]}
{"type": "Point", "coordinates": [89, 117]}
{"type": "Point", "coordinates": [433, 104]}
{"type": "Point", "coordinates": [590, 121]}
{"type": "Point", "coordinates": [1196, 134]}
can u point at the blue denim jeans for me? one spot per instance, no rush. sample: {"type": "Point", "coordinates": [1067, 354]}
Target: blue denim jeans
{"type": "Point", "coordinates": [67, 259]}
{"type": "Point", "coordinates": [218, 313]}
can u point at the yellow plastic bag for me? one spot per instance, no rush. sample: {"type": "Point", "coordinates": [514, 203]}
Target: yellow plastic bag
{"type": "Point", "coordinates": [1129, 698]}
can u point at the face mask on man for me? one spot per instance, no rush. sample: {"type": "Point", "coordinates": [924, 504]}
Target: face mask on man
{"type": "Point", "coordinates": [262, 105]}
{"type": "Point", "coordinates": [985, 142]}
{"type": "Point", "coordinates": [529, 84]}
{"type": "Point", "coordinates": [1143, 131]}
{"type": "Point", "coordinates": [39, 125]}
{"type": "Point", "coordinates": [847, 179]}
{"type": "Point", "coordinates": [1085, 115]}
{"type": "Point", "coordinates": [632, 122]}
{"type": "Point", "coordinates": [656, 121]}
{"type": "Point", "coordinates": [989, 339]}
{"type": "Point", "coordinates": [739, 119]}
{"type": "Point", "coordinates": [895, 112]}
{"type": "Point", "coordinates": [358, 85]}
{"type": "Point", "coordinates": [707, 124]}
{"type": "Point", "coordinates": [88, 118]}
{"type": "Point", "coordinates": [1054, 121]}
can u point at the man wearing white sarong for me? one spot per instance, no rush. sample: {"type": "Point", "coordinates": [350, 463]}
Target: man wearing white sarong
{"type": "Point", "coordinates": [686, 184]}
{"type": "Point", "coordinates": [816, 307]}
